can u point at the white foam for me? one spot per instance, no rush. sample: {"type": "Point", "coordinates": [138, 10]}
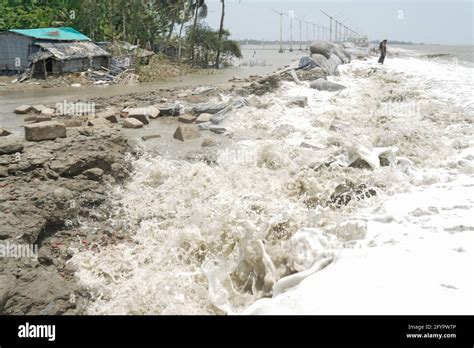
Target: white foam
{"type": "Point", "coordinates": [214, 239]}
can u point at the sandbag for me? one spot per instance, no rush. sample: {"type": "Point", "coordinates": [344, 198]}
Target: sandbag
{"type": "Point", "coordinates": [322, 62]}
{"type": "Point", "coordinates": [307, 63]}
{"type": "Point", "coordinates": [325, 85]}
{"type": "Point", "coordinates": [333, 63]}
{"type": "Point", "coordinates": [357, 52]}
{"type": "Point", "coordinates": [322, 47]}
{"type": "Point", "coordinates": [343, 55]}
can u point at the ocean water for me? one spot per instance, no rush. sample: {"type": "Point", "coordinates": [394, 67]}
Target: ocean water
{"type": "Point", "coordinates": [260, 232]}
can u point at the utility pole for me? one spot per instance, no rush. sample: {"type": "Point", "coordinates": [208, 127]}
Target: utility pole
{"type": "Point", "coordinates": [301, 36]}
{"type": "Point", "coordinates": [307, 34]}
{"type": "Point", "coordinates": [314, 31]}
{"type": "Point", "coordinates": [330, 24]}
{"type": "Point", "coordinates": [291, 14]}
{"type": "Point", "coordinates": [281, 30]}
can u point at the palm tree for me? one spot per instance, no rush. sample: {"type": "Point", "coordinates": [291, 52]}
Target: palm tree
{"type": "Point", "coordinates": [221, 31]}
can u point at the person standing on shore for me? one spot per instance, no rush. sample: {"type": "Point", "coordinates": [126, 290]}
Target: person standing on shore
{"type": "Point", "coordinates": [383, 51]}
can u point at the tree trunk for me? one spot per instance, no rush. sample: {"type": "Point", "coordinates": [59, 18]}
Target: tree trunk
{"type": "Point", "coordinates": [180, 43]}
{"type": "Point", "coordinates": [221, 30]}
{"type": "Point", "coordinates": [194, 28]}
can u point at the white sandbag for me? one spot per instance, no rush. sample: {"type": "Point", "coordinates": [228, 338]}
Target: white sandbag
{"type": "Point", "coordinates": [325, 85]}
{"type": "Point", "coordinates": [322, 47]}
{"type": "Point", "coordinates": [321, 61]}
{"type": "Point", "coordinates": [343, 55]}
{"type": "Point", "coordinates": [333, 63]}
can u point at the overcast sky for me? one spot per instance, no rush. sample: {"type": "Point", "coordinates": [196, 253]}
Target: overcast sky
{"type": "Point", "coordinates": [438, 21]}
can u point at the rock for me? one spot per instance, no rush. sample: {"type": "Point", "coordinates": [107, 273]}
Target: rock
{"type": "Point", "coordinates": [140, 114]}
{"type": "Point", "coordinates": [98, 122]}
{"type": "Point", "coordinates": [187, 118]}
{"type": "Point", "coordinates": [202, 90]}
{"type": "Point", "coordinates": [94, 174]}
{"type": "Point", "coordinates": [23, 109]}
{"type": "Point", "coordinates": [322, 47]}
{"type": "Point", "coordinates": [204, 118]}
{"type": "Point", "coordinates": [153, 112]}
{"type": "Point", "coordinates": [48, 112]}
{"type": "Point", "coordinates": [48, 130]}
{"type": "Point", "coordinates": [208, 142]}
{"type": "Point", "coordinates": [344, 193]}
{"type": "Point", "coordinates": [10, 148]}
{"type": "Point", "coordinates": [132, 123]}
{"type": "Point", "coordinates": [109, 115]}
{"type": "Point", "coordinates": [73, 123]}
{"type": "Point", "coordinates": [301, 102]}
{"type": "Point", "coordinates": [182, 95]}
{"type": "Point", "coordinates": [4, 132]}
{"type": "Point", "coordinates": [187, 132]}
{"type": "Point", "coordinates": [325, 85]}
{"type": "Point", "coordinates": [76, 85]}
{"type": "Point", "coordinates": [38, 108]}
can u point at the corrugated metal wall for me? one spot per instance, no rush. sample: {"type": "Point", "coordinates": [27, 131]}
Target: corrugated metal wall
{"type": "Point", "coordinates": [14, 50]}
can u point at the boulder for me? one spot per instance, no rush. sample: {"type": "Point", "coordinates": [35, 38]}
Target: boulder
{"type": "Point", "coordinates": [132, 123]}
{"type": "Point", "coordinates": [4, 132]}
{"type": "Point", "coordinates": [203, 118]}
{"type": "Point", "coordinates": [23, 109]}
{"type": "Point", "coordinates": [48, 130]}
{"type": "Point", "coordinates": [187, 118]}
{"type": "Point", "coordinates": [325, 85]}
{"type": "Point", "coordinates": [322, 47]}
{"type": "Point", "coordinates": [187, 132]}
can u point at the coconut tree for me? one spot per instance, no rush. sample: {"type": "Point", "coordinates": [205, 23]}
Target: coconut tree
{"type": "Point", "coordinates": [221, 31]}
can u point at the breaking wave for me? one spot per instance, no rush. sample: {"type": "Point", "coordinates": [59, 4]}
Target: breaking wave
{"type": "Point", "coordinates": [212, 238]}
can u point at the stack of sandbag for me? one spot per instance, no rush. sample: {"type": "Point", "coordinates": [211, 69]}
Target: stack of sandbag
{"type": "Point", "coordinates": [329, 56]}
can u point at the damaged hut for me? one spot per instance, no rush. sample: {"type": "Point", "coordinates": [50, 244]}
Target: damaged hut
{"type": "Point", "coordinates": [49, 51]}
